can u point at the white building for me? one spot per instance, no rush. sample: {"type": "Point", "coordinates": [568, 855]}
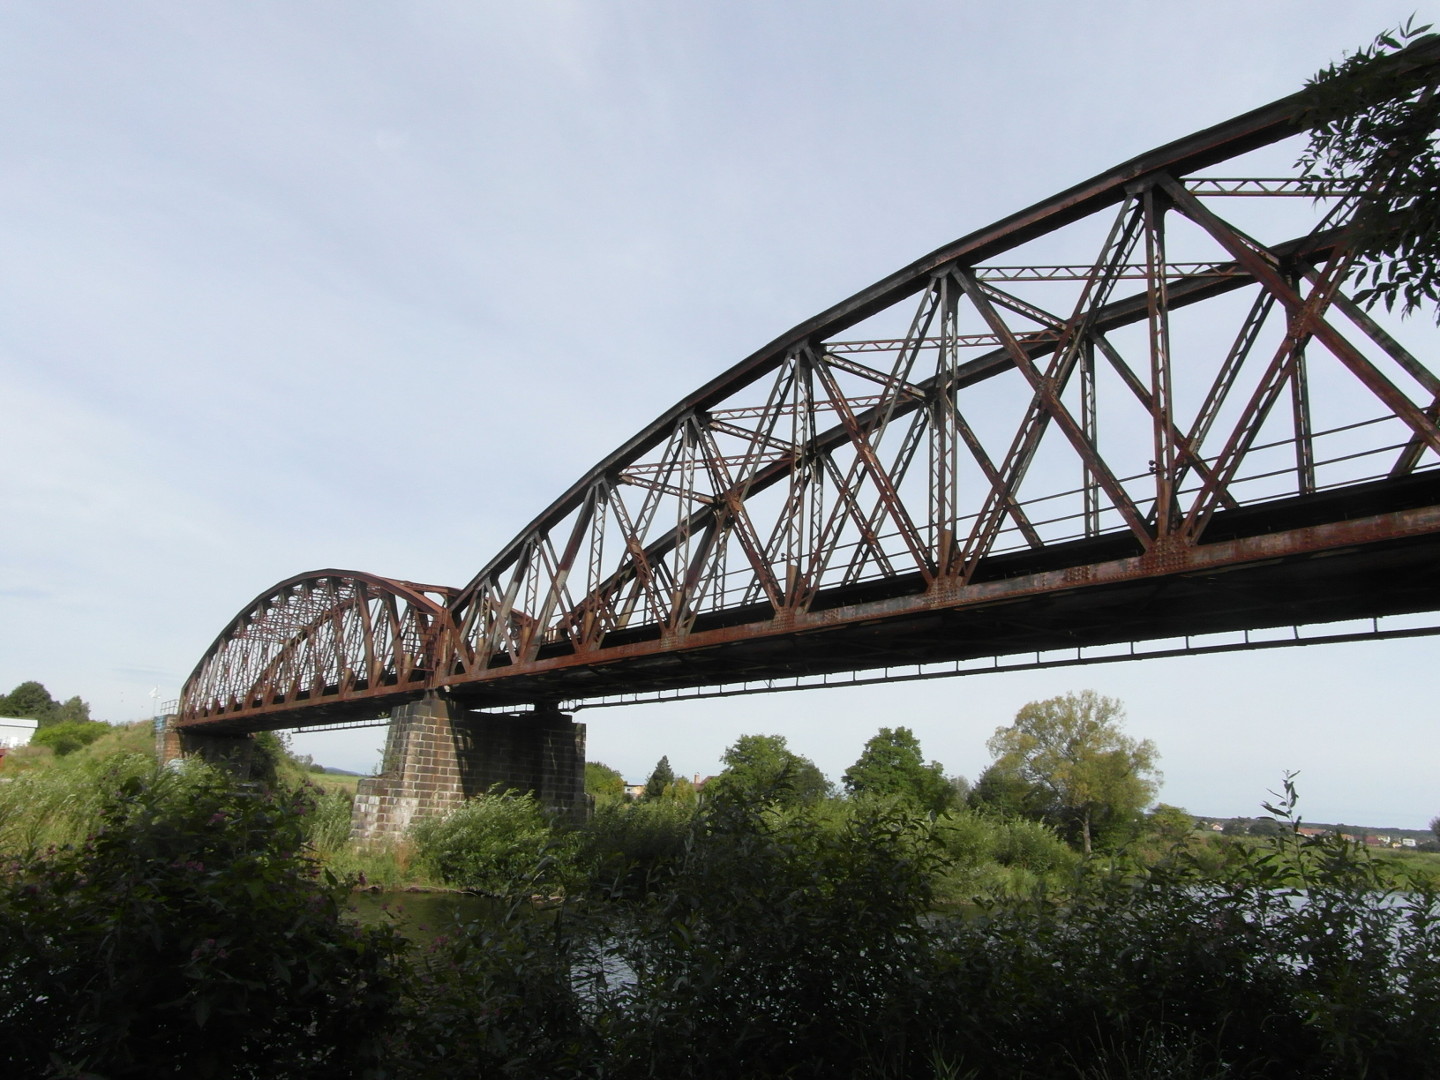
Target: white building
{"type": "Point", "coordinates": [16, 731]}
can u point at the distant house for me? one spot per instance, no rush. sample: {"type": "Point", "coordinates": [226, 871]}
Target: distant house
{"type": "Point", "coordinates": [636, 791]}
{"type": "Point", "coordinates": [16, 731]}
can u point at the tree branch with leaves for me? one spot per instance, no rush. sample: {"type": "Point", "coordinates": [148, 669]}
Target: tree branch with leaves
{"type": "Point", "coordinates": [1373, 119]}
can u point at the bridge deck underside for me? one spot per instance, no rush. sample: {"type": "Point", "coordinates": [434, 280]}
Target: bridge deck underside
{"type": "Point", "coordinates": [1376, 580]}
{"type": "Point", "coordinates": [1361, 553]}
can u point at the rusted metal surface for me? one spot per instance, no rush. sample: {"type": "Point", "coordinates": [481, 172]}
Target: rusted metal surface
{"type": "Point", "coordinates": [997, 448]}
{"type": "Point", "coordinates": [329, 637]}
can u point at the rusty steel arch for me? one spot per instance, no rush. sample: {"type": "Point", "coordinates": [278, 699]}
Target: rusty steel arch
{"type": "Point", "coordinates": [1143, 407]}
{"type": "Point", "coordinates": [318, 641]}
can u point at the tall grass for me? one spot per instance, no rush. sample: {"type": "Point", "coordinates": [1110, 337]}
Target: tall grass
{"type": "Point", "coordinates": [61, 802]}
{"type": "Point", "coordinates": [328, 828]}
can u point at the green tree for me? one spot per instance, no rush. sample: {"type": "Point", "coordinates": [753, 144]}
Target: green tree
{"type": "Point", "coordinates": [763, 769]}
{"type": "Point", "coordinates": [1171, 823]}
{"type": "Point", "coordinates": [959, 790]}
{"type": "Point", "coordinates": [1373, 119]}
{"type": "Point", "coordinates": [1002, 790]}
{"type": "Point", "coordinates": [1435, 827]}
{"type": "Point", "coordinates": [603, 782]}
{"type": "Point", "coordinates": [72, 711]}
{"type": "Point", "coordinates": [682, 791]}
{"type": "Point", "coordinates": [662, 777]}
{"type": "Point", "coordinates": [892, 764]}
{"type": "Point", "coordinates": [30, 700]}
{"type": "Point", "coordinates": [1071, 748]}
{"type": "Point", "coordinates": [1265, 826]}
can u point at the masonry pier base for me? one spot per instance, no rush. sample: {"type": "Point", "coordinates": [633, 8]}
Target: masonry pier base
{"type": "Point", "coordinates": [233, 752]}
{"type": "Point", "coordinates": [438, 754]}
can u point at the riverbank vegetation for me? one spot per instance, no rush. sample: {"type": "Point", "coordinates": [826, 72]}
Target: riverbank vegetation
{"type": "Point", "coordinates": [193, 929]}
{"type": "Point", "coordinates": [157, 921]}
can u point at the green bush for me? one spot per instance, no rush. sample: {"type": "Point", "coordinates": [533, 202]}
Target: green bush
{"type": "Point", "coordinates": [189, 936]}
{"type": "Point", "coordinates": [1298, 962]}
{"type": "Point", "coordinates": [69, 735]}
{"type": "Point", "coordinates": [986, 855]}
{"type": "Point", "coordinates": [497, 843]}
{"type": "Point", "coordinates": [786, 944]}
{"type": "Point", "coordinates": [1033, 846]}
{"type": "Point", "coordinates": [602, 783]}
{"type": "Point", "coordinates": [625, 848]}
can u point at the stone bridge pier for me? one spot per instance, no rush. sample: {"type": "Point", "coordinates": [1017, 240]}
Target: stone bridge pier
{"type": "Point", "coordinates": [233, 752]}
{"type": "Point", "coordinates": [438, 754]}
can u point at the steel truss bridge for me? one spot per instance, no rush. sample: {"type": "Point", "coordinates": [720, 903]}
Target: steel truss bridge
{"type": "Point", "coordinates": [1143, 409]}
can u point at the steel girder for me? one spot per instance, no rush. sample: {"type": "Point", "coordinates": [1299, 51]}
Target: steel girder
{"type": "Point", "coordinates": [323, 639]}
{"type": "Point", "coordinates": [999, 447]}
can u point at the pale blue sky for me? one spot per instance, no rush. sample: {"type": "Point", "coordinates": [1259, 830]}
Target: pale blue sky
{"type": "Point", "coordinates": [286, 286]}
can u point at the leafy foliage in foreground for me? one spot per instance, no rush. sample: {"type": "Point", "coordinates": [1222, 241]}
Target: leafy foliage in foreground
{"type": "Point", "coordinates": [188, 935]}
{"type": "Point", "coordinates": [803, 944]}
{"type": "Point", "coordinates": [1299, 962]}
{"type": "Point", "coordinates": [625, 849]}
{"type": "Point", "coordinates": [782, 946]}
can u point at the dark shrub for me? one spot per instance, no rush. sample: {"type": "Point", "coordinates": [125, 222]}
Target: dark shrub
{"type": "Point", "coordinates": [786, 944]}
{"type": "Point", "coordinates": [189, 936]}
{"type": "Point", "coordinates": [627, 848]}
{"type": "Point", "coordinates": [499, 844]}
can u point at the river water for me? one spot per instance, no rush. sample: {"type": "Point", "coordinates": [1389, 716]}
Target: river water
{"type": "Point", "coordinates": [419, 916]}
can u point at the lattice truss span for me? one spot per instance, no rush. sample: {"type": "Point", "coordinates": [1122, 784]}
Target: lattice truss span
{"type": "Point", "coordinates": [331, 636]}
{"type": "Point", "coordinates": [999, 402]}
{"type": "Point", "coordinates": [1153, 383]}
